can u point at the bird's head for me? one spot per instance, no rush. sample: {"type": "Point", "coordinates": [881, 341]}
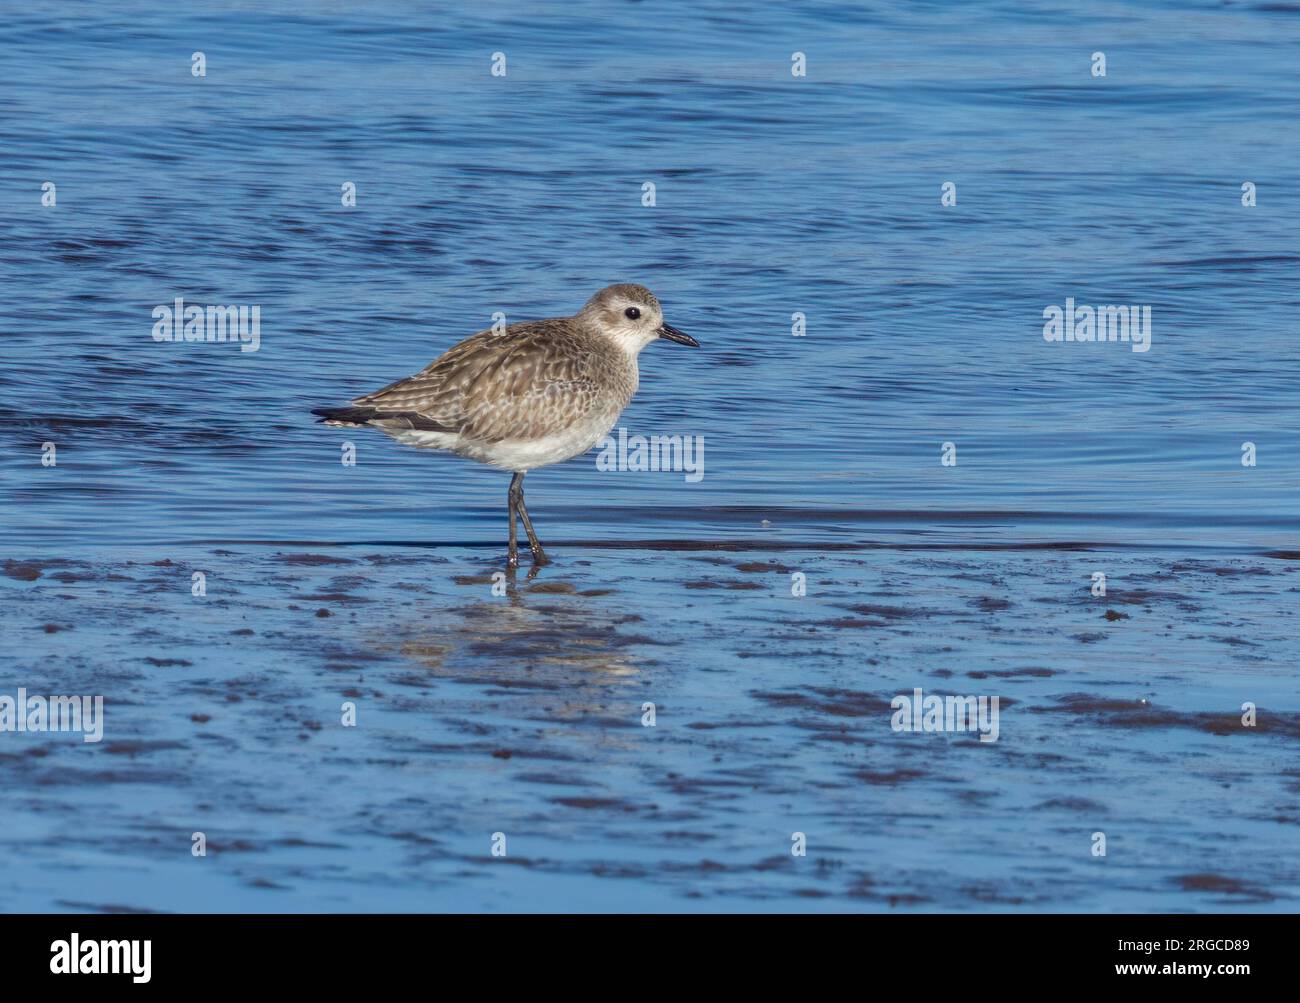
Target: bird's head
{"type": "Point", "coordinates": [630, 316]}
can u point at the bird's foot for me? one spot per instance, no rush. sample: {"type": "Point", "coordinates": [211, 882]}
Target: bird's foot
{"type": "Point", "coordinates": [539, 556]}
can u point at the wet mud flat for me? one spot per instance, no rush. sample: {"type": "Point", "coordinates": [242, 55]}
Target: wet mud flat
{"type": "Point", "coordinates": [525, 714]}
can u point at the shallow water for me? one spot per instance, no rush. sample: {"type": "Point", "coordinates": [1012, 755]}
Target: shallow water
{"type": "Point", "coordinates": [775, 195]}
{"type": "Point", "coordinates": [523, 714]}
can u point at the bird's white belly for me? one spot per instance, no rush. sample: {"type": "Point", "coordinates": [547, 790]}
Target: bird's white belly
{"type": "Point", "coordinates": [513, 454]}
{"type": "Point", "coordinates": [527, 454]}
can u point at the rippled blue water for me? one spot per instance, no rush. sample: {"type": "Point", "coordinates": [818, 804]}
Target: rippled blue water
{"type": "Point", "coordinates": [775, 195]}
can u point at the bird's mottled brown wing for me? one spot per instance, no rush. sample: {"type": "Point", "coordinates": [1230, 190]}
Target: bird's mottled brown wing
{"type": "Point", "coordinates": [529, 381]}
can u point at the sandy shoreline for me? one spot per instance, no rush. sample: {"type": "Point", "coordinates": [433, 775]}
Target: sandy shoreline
{"type": "Point", "coordinates": [522, 714]}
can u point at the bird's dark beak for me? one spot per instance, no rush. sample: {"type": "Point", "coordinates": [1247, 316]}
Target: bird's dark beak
{"type": "Point", "coordinates": [681, 337]}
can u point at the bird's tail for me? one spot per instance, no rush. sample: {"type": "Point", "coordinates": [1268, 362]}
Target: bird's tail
{"type": "Point", "coordinates": [345, 416]}
{"type": "Point", "coordinates": [356, 416]}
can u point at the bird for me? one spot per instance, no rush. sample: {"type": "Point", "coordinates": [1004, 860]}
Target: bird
{"type": "Point", "coordinates": [523, 396]}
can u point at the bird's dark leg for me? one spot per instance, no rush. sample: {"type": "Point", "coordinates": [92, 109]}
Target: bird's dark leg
{"type": "Point", "coordinates": [534, 544]}
{"type": "Point", "coordinates": [512, 557]}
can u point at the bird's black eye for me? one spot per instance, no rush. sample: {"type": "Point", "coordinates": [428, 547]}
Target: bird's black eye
{"type": "Point", "coordinates": [631, 313]}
